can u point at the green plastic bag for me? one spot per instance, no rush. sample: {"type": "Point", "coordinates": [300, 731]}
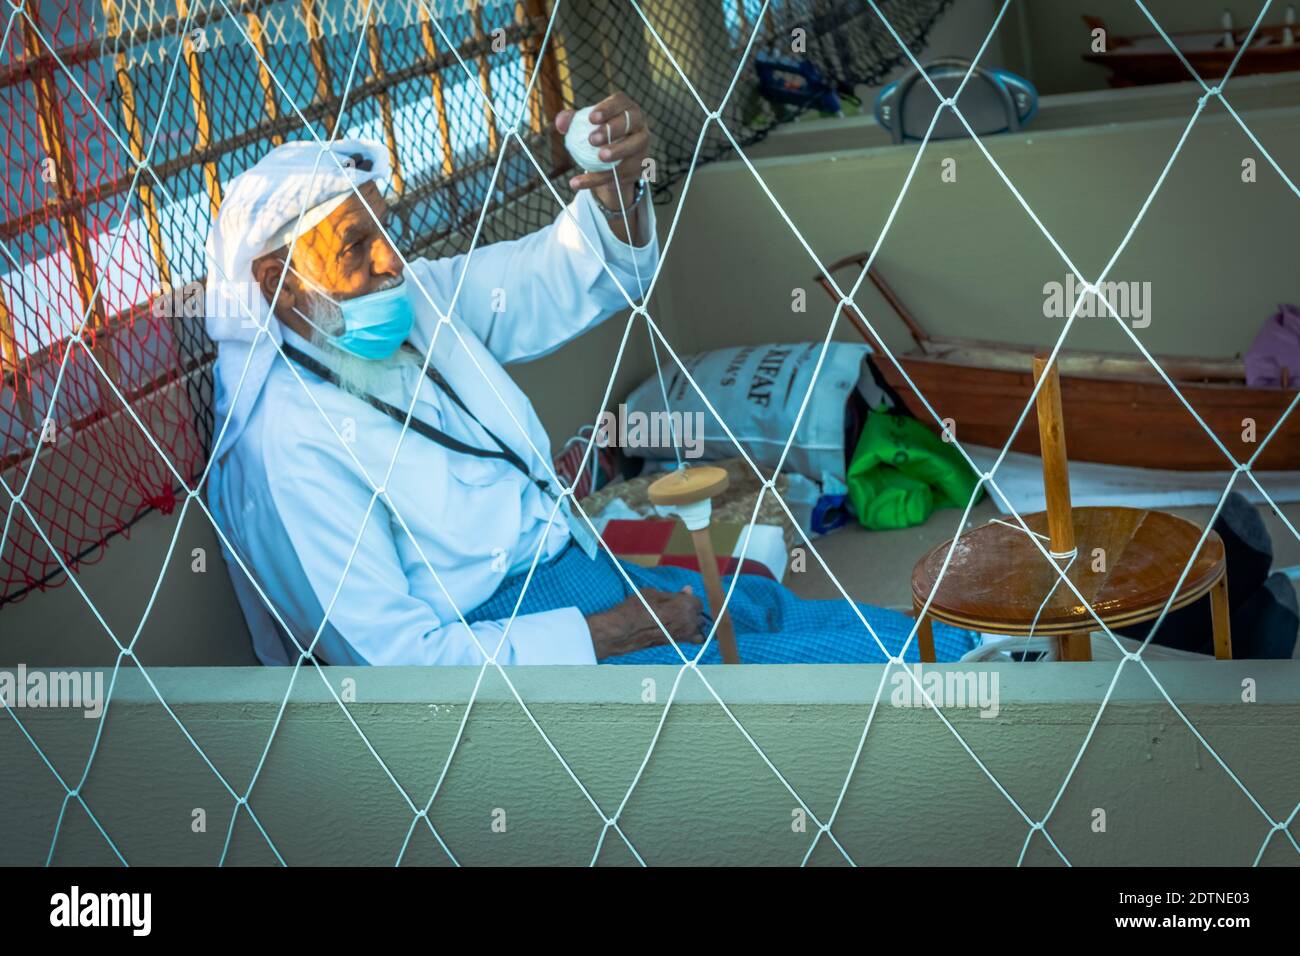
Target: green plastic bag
{"type": "Point", "coordinates": [901, 472]}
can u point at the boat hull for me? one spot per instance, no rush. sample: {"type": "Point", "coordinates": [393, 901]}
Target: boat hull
{"type": "Point", "coordinates": [1116, 421]}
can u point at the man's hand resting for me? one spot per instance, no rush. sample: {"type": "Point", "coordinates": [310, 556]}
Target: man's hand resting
{"type": "Point", "coordinates": [628, 626]}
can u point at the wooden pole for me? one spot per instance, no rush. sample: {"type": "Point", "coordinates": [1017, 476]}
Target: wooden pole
{"type": "Point", "coordinates": [375, 46]}
{"type": "Point", "coordinates": [76, 232]}
{"type": "Point", "coordinates": [485, 79]}
{"type": "Point", "coordinates": [1056, 485]}
{"type": "Point", "coordinates": [713, 585]}
{"type": "Point", "coordinates": [256, 34]}
{"type": "Point", "coordinates": [1056, 469]}
{"type": "Point", "coordinates": [11, 366]}
{"type": "Point", "coordinates": [319, 60]}
{"type": "Point", "coordinates": [440, 107]}
{"type": "Point", "coordinates": [135, 136]}
{"type": "Point", "coordinates": [548, 96]}
{"type": "Point", "coordinates": [202, 123]}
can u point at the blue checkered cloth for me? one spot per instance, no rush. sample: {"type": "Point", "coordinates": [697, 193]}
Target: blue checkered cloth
{"type": "Point", "coordinates": [772, 625]}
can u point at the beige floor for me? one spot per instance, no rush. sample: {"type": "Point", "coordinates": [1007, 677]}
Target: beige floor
{"type": "Point", "coordinates": [875, 566]}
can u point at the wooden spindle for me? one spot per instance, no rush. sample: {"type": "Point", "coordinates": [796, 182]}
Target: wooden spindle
{"type": "Point", "coordinates": [1056, 485]}
{"type": "Point", "coordinates": [680, 491]}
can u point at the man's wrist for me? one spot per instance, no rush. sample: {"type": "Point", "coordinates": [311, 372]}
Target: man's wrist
{"type": "Point", "coordinates": [612, 633]}
{"type": "Point", "coordinates": [602, 631]}
{"type": "Point", "coordinates": [630, 203]}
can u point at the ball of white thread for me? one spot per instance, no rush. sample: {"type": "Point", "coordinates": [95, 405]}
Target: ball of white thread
{"type": "Point", "coordinates": [695, 515]}
{"type": "Point", "coordinates": [577, 142]}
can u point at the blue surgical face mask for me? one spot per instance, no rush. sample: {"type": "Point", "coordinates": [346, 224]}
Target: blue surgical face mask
{"type": "Point", "coordinates": [374, 325]}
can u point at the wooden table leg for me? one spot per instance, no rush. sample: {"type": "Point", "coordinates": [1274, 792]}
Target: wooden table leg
{"type": "Point", "coordinates": [1074, 647]}
{"type": "Point", "coordinates": [1219, 615]}
{"type": "Point", "coordinates": [924, 633]}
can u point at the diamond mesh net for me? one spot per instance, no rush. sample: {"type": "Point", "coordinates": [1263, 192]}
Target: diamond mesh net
{"type": "Point", "coordinates": [107, 351]}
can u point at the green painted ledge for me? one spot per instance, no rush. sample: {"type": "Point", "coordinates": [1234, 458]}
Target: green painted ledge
{"type": "Point", "coordinates": [706, 796]}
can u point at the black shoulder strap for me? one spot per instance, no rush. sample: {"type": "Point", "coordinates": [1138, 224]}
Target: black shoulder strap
{"type": "Point", "coordinates": [504, 452]}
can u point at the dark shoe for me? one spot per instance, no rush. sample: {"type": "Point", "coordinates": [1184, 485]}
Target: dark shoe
{"type": "Point", "coordinates": [1247, 547]}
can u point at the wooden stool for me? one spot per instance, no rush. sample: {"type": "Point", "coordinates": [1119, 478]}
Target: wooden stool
{"type": "Point", "coordinates": [689, 492]}
{"type": "Point", "coordinates": [1128, 562]}
{"type": "Point", "coordinates": [997, 578]}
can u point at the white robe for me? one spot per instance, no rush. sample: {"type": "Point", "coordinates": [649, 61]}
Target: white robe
{"type": "Point", "coordinates": [291, 499]}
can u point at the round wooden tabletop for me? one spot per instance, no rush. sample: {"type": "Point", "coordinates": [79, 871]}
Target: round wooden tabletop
{"type": "Point", "coordinates": [1129, 560]}
{"type": "Point", "coordinates": [688, 485]}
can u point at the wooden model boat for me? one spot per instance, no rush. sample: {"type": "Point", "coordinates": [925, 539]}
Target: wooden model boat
{"type": "Point", "coordinates": [1147, 58]}
{"type": "Point", "coordinates": [1118, 408]}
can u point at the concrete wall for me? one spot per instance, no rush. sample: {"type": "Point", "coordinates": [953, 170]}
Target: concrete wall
{"type": "Point", "coordinates": [1219, 253]}
{"type": "Point", "coordinates": [705, 798]}
{"type": "Point", "coordinates": [194, 618]}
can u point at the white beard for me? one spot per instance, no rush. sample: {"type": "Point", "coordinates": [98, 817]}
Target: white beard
{"type": "Point", "coordinates": [357, 375]}
{"type": "Point", "coordinates": [360, 376]}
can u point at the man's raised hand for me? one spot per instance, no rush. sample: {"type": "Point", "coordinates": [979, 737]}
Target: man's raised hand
{"type": "Point", "coordinates": [623, 137]}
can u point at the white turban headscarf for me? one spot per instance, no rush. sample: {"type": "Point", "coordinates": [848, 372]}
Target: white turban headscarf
{"type": "Point", "coordinates": [261, 206]}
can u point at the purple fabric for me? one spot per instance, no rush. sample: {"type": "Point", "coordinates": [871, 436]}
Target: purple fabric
{"type": "Point", "coordinates": [1277, 346]}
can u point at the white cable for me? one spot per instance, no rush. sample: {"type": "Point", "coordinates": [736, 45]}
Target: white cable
{"type": "Point", "coordinates": [578, 143]}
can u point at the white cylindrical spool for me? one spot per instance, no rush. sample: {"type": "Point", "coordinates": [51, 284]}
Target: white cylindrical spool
{"type": "Point", "coordinates": [695, 515]}
{"type": "Point", "coordinates": [577, 142]}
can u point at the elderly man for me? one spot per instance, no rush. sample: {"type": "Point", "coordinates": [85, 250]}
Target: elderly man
{"type": "Point", "coordinates": [383, 544]}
